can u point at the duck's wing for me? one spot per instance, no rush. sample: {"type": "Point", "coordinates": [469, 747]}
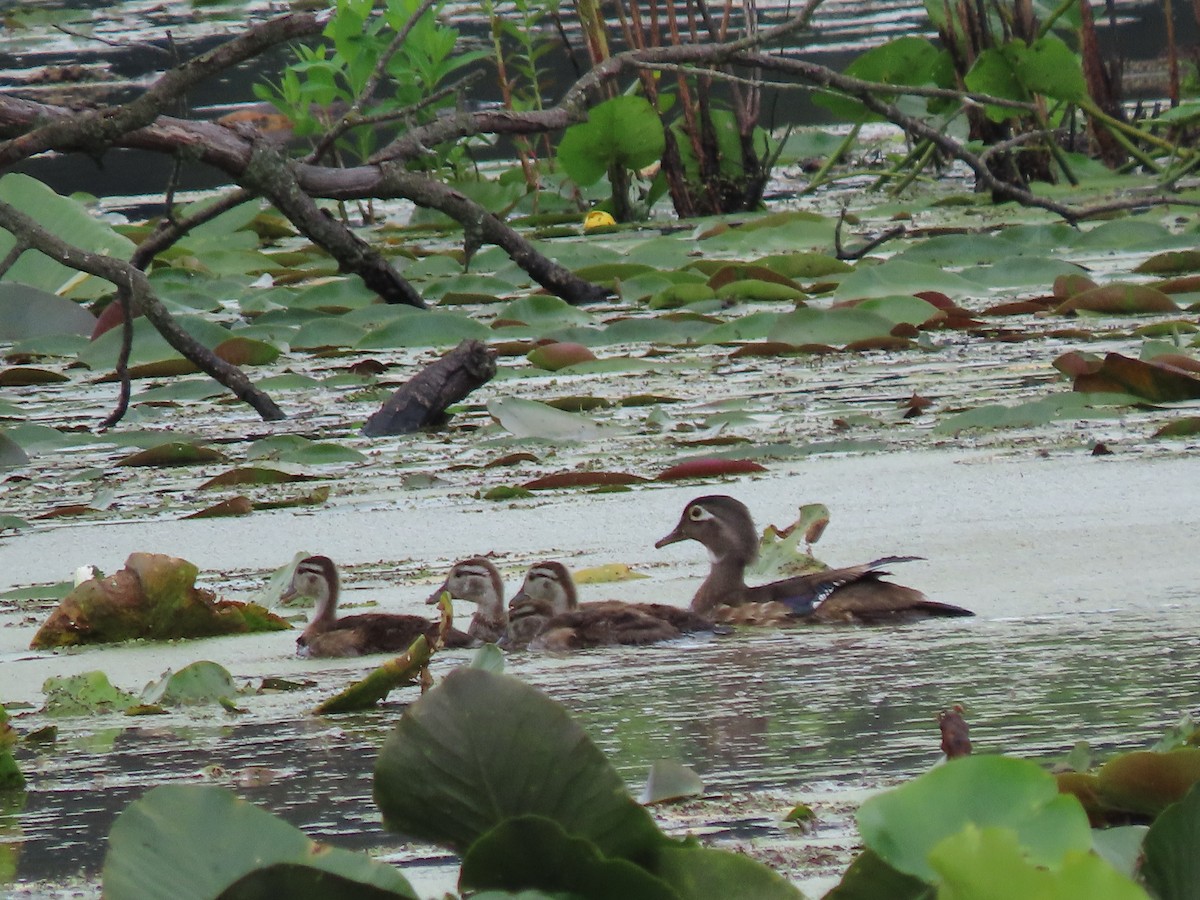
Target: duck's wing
{"type": "Point", "coordinates": [872, 601]}
{"type": "Point", "coordinates": [683, 619]}
{"type": "Point", "coordinates": [802, 594]}
{"type": "Point", "coordinates": [604, 625]}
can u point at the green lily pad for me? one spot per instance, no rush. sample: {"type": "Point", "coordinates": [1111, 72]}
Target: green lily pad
{"type": "Point", "coordinates": [201, 682]}
{"type": "Point", "coordinates": [670, 780]}
{"type": "Point", "coordinates": [836, 327]}
{"type": "Point", "coordinates": [172, 453]}
{"type": "Point", "coordinates": [254, 475]}
{"type": "Point", "coordinates": [529, 419]}
{"type": "Point", "coordinates": [544, 312]}
{"type": "Point", "coordinates": [333, 331]}
{"type": "Point", "coordinates": [197, 842]}
{"type": "Point", "coordinates": [479, 726]}
{"type": "Point", "coordinates": [431, 329]}
{"type": "Point", "coordinates": [88, 693]}
{"type": "Point", "coordinates": [984, 791]}
{"type": "Point", "coordinates": [29, 312]}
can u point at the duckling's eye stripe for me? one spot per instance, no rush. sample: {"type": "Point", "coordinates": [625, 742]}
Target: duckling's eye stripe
{"type": "Point", "coordinates": [699, 514]}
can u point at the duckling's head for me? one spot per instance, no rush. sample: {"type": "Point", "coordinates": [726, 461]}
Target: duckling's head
{"type": "Point", "coordinates": [475, 580]}
{"type": "Point", "coordinates": [549, 582]}
{"type": "Point", "coordinates": [722, 524]}
{"type": "Point", "coordinates": [316, 577]}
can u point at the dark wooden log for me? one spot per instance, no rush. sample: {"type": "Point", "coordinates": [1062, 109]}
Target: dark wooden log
{"type": "Point", "coordinates": [423, 400]}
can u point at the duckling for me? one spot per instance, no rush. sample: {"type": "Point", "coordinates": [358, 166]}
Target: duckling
{"type": "Point", "coordinates": [329, 636]}
{"type": "Point", "coordinates": [546, 614]}
{"type": "Point", "coordinates": [856, 594]}
{"type": "Point", "coordinates": [477, 581]}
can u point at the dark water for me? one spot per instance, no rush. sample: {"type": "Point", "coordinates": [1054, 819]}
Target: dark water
{"type": "Point", "coordinates": [773, 711]}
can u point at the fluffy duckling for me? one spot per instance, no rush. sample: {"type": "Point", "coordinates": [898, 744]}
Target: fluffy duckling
{"type": "Point", "coordinates": [546, 614]}
{"type": "Point", "coordinates": [477, 581]}
{"type": "Point", "coordinates": [856, 594]}
{"type": "Point", "coordinates": [358, 635]}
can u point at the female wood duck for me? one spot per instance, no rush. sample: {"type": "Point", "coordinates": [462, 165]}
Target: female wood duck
{"type": "Point", "coordinates": [546, 614]}
{"type": "Point", "coordinates": [359, 635]}
{"type": "Point", "coordinates": [856, 594]}
{"type": "Point", "coordinates": [477, 581]}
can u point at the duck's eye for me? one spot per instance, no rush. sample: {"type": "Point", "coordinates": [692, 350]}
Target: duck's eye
{"type": "Point", "coordinates": [699, 514]}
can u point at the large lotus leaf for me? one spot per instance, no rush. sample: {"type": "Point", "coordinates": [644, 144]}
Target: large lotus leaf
{"type": "Point", "coordinates": [481, 748]}
{"type": "Point", "coordinates": [530, 419]}
{"type": "Point", "coordinates": [1022, 271]}
{"type": "Point", "coordinates": [1171, 850]}
{"type": "Point", "coordinates": [904, 824]}
{"type": "Point", "coordinates": [700, 873]}
{"type": "Point", "coordinates": [990, 862]}
{"type": "Point", "coordinates": [1130, 235]}
{"type": "Point", "coordinates": [27, 312]}
{"type": "Point", "coordinates": [1132, 299]}
{"type": "Point", "coordinates": [624, 131]}
{"type": "Point", "coordinates": [535, 852]}
{"type": "Point", "coordinates": [544, 311]}
{"type": "Point", "coordinates": [906, 60]}
{"type": "Point", "coordinates": [902, 276]}
{"type": "Point", "coordinates": [68, 219]}
{"type": "Point", "coordinates": [196, 683]}
{"type": "Point", "coordinates": [431, 329]}
{"type": "Point", "coordinates": [1049, 67]}
{"type": "Point", "coordinates": [195, 842]}
{"type": "Point", "coordinates": [835, 327]}
{"type": "Point", "coordinates": [1145, 781]}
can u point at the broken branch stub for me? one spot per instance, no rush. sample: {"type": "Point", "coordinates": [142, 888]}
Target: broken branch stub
{"type": "Point", "coordinates": [423, 400]}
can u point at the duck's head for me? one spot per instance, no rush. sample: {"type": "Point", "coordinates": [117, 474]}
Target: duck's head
{"type": "Point", "coordinates": [548, 583]}
{"type": "Point", "coordinates": [316, 577]}
{"type": "Point", "coordinates": [722, 524]}
{"type": "Point", "coordinates": [475, 580]}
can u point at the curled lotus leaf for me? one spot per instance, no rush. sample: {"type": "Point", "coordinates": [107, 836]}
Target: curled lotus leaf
{"type": "Point", "coordinates": [710, 467]}
{"type": "Point", "coordinates": [1159, 383]}
{"type": "Point", "coordinates": [558, 355]}
{"type": "Point", "coordinates": [25, 376]}
{"type": "Point", "coordinates": [582, 479]}
{"type": "Point", "coordinates": [172, 453]}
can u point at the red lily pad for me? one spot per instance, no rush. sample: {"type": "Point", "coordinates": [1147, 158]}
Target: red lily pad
{"type": "Point", "coordinates": [1125, 299]}
{"type": "Point", "coordinates": [510, 459]}
{"type": "Point", "coordinates": [1067, 286]}
{"type": "Point", "coordinates": [1185, 284]}
{"type": "Point", "coordinates": [71, 509]}
{"type": "Point", "coordinates": [1158, 383]}
{"type": "Point", "coordinates": [710, 467]}
{"type": "Point", "coordinates": [582, 479]}
{"type": "Point", "coordinates": [1020, 307]}
{"type": "Point", "coordinates": [240, 351]}
{"type": "Point", "coordinates": [1075, 363]}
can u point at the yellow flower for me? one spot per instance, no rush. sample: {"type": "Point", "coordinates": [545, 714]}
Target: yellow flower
{"type": "Point", "coordinates": [597, 219]}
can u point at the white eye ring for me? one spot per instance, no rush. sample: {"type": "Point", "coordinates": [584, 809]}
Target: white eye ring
{"type": "Point", "coordinates": [699, 514]}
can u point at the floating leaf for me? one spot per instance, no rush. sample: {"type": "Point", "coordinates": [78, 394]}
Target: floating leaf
{"type": "Point", "coordinates": [529, 419]}
{"type": "Point", "coordinates": [1146, 782]}
{"type": "Point", "coordinates": [1126, 299]}
{"type": "Point", "coordinates": [581, 479]}
{"type": "Point", "coordinates": [234, 506]}
{"type": "Point", "coordinates": [606, 574]}
{"type": "Point", "coordinates": [836, 327]}
{"type": "Point", "coordinates": [544, 312]}
{"type": "Point", "coordinates": [88, 693]}
{"type": "Point", "coordinates": [11, 453]}
{"type": "Point", "coordinates": [670, 780]}
{"type": "Point", "coordinates": [430, 329]}
{"type": "Point", "coordinates": [710, 467]}
{"type": "Point", "coordinates": [559, 355]}
{"type": "Point", "coordinates": [1188, 426]}
{"type": "Point", "coordinates": [242, 351]}
{"type": "Point", "coordinates": [1170, 263]}
{"type": "Point", "coordinates": [198, 842]}
{"type": "Point", "coordinates": [24, 376]}
{"type": "Point", "coordinates": [1158, 383]}
{"type": "Point", "coordinates": [201, 682]}
{"type": "Point", "coordinates": [172, 453]}
{"type": "Point", "coordinates": [254, 475]}
{"type": "Point", "coordinates": [804, 265]}
{"type": "Point", "coordinates": [1171, 850]}
{"type": "Point", "coordinates": [755, 289]}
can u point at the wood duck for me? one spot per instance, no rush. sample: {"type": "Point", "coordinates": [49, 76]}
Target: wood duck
{"type": "Point", "coordinates": [546, 614]}
{"type": "Point", "coordinates": [359, 635]}
{"type": "Point", "coordinates": [855, 594]}
{"type": "Point", "coordinates": [477, 581]}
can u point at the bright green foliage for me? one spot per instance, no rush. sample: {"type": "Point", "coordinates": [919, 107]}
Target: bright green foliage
{"type": "Point", "coordinates": [623, 131]}
{"type": "Point", "coordinates": [1018, 72]}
